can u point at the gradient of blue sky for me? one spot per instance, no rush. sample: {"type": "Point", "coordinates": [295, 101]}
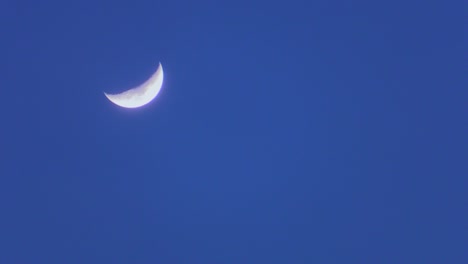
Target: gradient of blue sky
{"type": "Point", "coordinates": [285, 132]}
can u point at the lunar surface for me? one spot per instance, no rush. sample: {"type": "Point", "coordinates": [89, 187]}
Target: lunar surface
{"type": "Point", "coordinates": [140, 95]}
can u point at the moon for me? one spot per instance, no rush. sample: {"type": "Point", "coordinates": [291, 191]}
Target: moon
{"type": "Point", "coordinates": [140, 95]}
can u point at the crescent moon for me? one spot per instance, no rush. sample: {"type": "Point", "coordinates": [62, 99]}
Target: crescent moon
{"type": "Point", "coordinates": [140, 95]}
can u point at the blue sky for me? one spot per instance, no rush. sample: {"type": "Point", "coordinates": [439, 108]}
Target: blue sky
{"type": "Point", "coordinates": [285, 132]}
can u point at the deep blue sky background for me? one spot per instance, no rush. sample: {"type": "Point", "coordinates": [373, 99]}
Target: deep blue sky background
{"type": "Point", "coordinates": [285, 132]}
